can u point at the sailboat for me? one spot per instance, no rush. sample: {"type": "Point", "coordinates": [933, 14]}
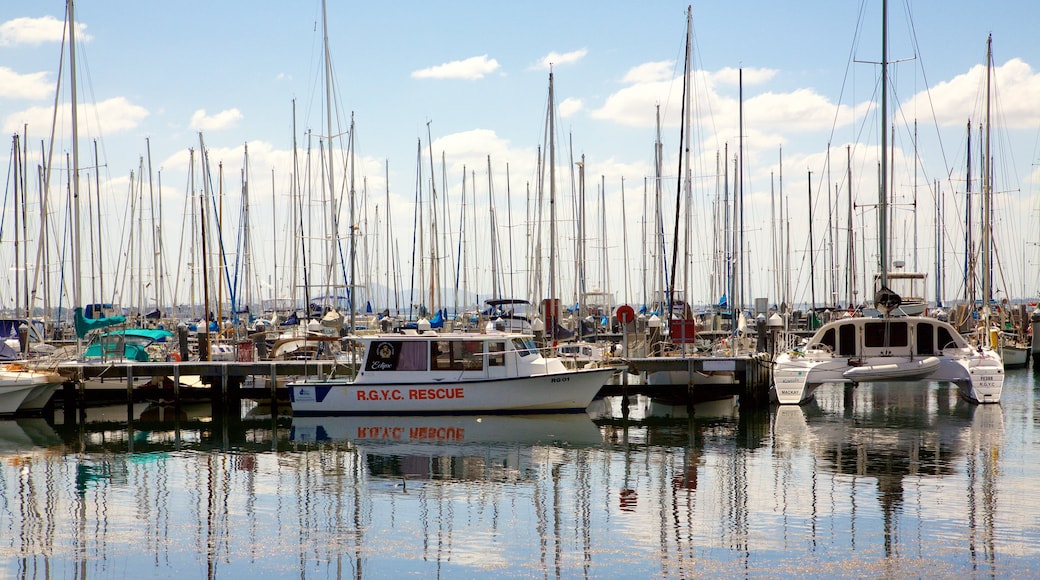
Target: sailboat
{"type": "Point", "coordinates": [890, 348]}
{"type": "Point", "coordinates": [1014, 349]}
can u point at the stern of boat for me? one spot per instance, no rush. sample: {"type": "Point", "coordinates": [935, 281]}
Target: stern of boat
{"type": "Point", "coordinates": [986, 383]}
{"type": "Point", "coordinates": [791, 384]}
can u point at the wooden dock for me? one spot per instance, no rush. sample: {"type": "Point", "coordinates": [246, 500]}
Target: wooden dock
{"type": "Point", "coordinates": [223, 379]}
{"type": "Point", "coordinates": [751, 378]}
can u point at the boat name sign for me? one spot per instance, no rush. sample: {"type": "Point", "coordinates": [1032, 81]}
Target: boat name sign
{"type": "Point", "coordinates": [410, 394]}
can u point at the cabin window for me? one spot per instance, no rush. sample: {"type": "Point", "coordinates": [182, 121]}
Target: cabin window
{"type": "Point", "coordinates": [885, 334]}
{"type": "Point", "coordinates": [445, 356]}
{"type": "Point", "coordinates": [397, 355]}
{"type": "Point", "coordinates": [496, 354]}
{"type": "Point", "coordinates": [457, 355]}
{"type": "Point", "coordinates": [470, 352]}
{"type": "Point", "coordinates": [847, 340]}
{"type": "Point", "coordinates": [946, 340]}
{"type": "Point", "coordinates": [828, 340]}
{"type": "Point", "coordinates": [525, 347]}
{"type": "Point", "coordinates": [925, 339]}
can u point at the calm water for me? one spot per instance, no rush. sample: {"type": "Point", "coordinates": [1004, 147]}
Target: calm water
{"type": "Point", "coordinates": [882, 481]}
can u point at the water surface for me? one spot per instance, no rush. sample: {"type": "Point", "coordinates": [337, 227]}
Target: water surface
{"type": "Point", "coordinates": [883, 481]}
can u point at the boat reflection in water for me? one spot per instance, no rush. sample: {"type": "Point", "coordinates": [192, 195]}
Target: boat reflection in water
{"type": "Point", "coordinates": [494, 447]}
{"type": "Point", "coordinates": [873, 481]}
{"type": "Point", "coordinates": [912, 441]}
{"type": "Point", "coordinates": [26, 434]}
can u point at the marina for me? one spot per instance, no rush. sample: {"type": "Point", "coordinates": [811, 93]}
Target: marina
{"type": "Point", "coordinates": [887, 480]}
{"type": "Point", "coordinates": [302, 358]}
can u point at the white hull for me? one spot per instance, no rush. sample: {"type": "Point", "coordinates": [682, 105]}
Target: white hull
{"type": "Point", "coordinates": [12, 396]}
{"type": "Point", "coordinates": [695, 378]}
{"type": "Point", "coordinates": [555, 392]}
{"type": "Point", "coordinates": [1014, 356]}
{"type": "Point", "coordinates": [918, 349]}
{"type": "Point", "coordinates": [19, 386]}
{"type": "Point", "coordinates": [39, 398]}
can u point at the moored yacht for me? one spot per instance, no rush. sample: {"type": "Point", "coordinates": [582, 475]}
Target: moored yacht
{"type": "Point", "coordinates": [450, 373]}
{"type": "Point", "coordinates": [906, 348]}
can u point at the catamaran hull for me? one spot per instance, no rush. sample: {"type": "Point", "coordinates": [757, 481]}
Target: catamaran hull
{"type": "Point", "coordinates": [980, 379]}
{"type": "Point", "coordinates": [555, 392]}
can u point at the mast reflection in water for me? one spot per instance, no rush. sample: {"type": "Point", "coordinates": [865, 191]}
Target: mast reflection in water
{"type": "Point", "coordinates": [881, 480]}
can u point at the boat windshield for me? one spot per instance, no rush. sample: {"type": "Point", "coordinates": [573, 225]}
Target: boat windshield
{"type": "Point", "coordinates": [524, 347]}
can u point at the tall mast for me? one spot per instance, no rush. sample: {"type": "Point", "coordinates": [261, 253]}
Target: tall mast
{"type": "Point", "coordinates": [77, 288]}
{"type": "Point", "coordinates": [334, 207]}
{"type": "Point", "coordinates": [435, 302]}
{"type": "Point", "coordinates": [683, 138]}
{"type": "Point", "coordinates": [496, 292]}
{"type": "Point", "coordinates": [883, 194]}
{"type": "Point", "coordinates": [552, 189]}
{"type": "Point", "coordinates": [987, 193]}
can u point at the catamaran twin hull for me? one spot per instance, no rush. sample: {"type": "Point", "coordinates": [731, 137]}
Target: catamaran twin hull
{"type": "Point", "coordinates": [855, 350]}
{"type": "Point", "coordinates": [557, 392]}
{"type": "Point", "coordinates": [795, 382]}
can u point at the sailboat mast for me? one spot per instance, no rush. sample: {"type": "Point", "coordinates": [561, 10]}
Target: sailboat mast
{"type": "Point", "coordinates": [883, 205]}
{"type": "Point", "coordinates": [552, 190]}
{"type": "Point", "coordinates": [77, 288]}
{"type": "Point", "coordinates": [334, 207]}
{"type": "Point", "coordinates": [495, 290]}
{"type": "Point", "coordinates": [682, 144]}
{"type": "Point", "coordinates": [987, 192]}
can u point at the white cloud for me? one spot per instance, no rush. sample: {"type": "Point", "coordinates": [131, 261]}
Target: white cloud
{"type": "Point", "coordinates": [1016, 88]}
{"type": "Point", "coordinates": [200, 121]}
{"type": "Point", "coordinates": [656, 83]}
{"type": "Point", "coordinates": [476, 67]}
{"type": "Point", "coordinates": [751, 76]}
{"type": "Point", "coordinates": [107, 117]}
{"type": "Point", "coordinates": [35, 31]}
{"type": "Point", "coordinates": [570, 106]}
{"type": "Point", "coordinates": [634, 105]}
{"type": "Point", "coordinates": [27, 86]}
{"type": "Point", "coordinates": [557, 59]}
{"type": "Point", "coordinates": [650, 72]}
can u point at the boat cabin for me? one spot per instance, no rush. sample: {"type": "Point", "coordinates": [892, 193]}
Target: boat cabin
{"type": "Point", "coordinates": [901, 336]}
{"type": "Point", "coordinates": [486, 355]}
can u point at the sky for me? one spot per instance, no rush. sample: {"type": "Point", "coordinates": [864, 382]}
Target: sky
{"type": "Point", "coordinates": [157, 81]}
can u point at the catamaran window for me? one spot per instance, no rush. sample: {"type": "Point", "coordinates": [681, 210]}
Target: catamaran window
{"type": "Point", "coordinates": [525, 347]}
{"type": "Point", "coordinates": [496, 354]}
{"type": "Point", "coordinates": [828, 340]}
{"type": "Point", "coordinates": [874, 335]}
{"type": "Point", "coordinates": [397, 355]}
{"type": "Point", "coordinates": [946, 340]}
{"type": "Point", "coordinates": [847, 340]}
{"type": "Point", "coordinates": [925, 339]}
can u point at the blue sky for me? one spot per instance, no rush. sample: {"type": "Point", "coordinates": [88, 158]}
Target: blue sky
{"type": "Point", "coordinates": [475, 76]}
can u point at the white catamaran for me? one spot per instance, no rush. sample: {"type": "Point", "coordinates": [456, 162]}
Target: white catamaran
{"type": "Point", "coordinates": [890, 348]}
